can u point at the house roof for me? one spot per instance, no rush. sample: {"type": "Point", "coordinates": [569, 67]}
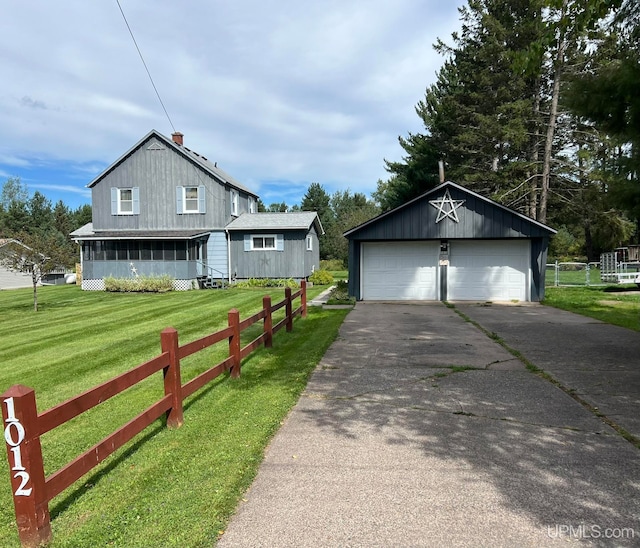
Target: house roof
{"type": "Point", "coordinates": [359, 230]}
{"type": "Point", "coordinates": [298, 220]}
{"type": "Point", "coordinates": [202, 162]}
{"type": "Point", "coordinates": [5, 241]}
{"type": "Point", "coordinates": [86, 232]}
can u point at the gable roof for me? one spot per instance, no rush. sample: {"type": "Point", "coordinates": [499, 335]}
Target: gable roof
{"type": "Point", "coordinates": [298, 220]}
{"type": "Point", "coordinates": [477, 217]}
{"type": "Point", "coordinates": [193, 157]}
{"type": "Point", "coordinates": [7, 241]}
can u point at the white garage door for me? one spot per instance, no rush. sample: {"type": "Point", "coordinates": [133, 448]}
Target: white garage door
{"type": "Point", "coordinates": [488, 270]}
{"type": "Point", "coordinates": [400, 271]}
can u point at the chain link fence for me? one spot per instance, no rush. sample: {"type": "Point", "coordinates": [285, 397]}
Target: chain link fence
{"type": "Point", "coordinates": [572, 274]}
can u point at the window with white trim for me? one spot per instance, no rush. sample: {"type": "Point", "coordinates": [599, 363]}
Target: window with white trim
{"type": "Point", "coordinates": [190, 199]}
{"type": "Point", "coordinates": [125, 201]}
{"type": "Point", "coordinates": [309, 242]}
{"type": "Point", "coordinates": [252, 205]}
{"type": "Point", "coordinates": [263, 243]}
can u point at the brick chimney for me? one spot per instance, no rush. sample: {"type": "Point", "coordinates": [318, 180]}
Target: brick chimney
{"type": "Point", "coordinates": [177, 138]}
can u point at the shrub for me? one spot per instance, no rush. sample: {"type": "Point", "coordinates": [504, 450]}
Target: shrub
{"type": "Point", "coordinates": [267, 282]}
{"type": "Point", "coordinates": [142, 284]}
{"type": "Point", "coordinates": [340, 294]}
{"type": "Point", "coordinates": [321, 277]}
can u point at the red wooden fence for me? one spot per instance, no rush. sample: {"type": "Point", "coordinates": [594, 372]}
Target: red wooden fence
{"type": "Point", "coordinates": [32, 491]}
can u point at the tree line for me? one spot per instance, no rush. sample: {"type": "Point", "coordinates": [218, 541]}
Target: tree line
{"type": "Point", "coordinates": [338, 212]}
{"type": "Point", "coordinates": [40, 225]}
{"type": "Point", "coordinates": [537, 107]}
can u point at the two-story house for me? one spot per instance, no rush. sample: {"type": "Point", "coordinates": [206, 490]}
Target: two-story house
{"type": "Point", "coordinates": [163, 209]}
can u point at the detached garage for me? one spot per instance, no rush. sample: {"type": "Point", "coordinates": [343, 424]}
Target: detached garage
{"type": "Point", "coordinates": [449, 244]}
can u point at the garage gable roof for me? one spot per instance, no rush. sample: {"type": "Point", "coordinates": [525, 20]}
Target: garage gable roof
{"type": "Point", "coordinates": [449, 211]}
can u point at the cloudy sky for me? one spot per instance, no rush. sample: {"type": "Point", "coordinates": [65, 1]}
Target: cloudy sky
{"type": "Point", "coordinates": [280, 93]}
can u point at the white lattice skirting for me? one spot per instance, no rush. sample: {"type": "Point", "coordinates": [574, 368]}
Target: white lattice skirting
{"type": "Point", "coordinates": [93, 285]}
{"type": "Point", "coordinates": [98, 285]}
{"type": "Point", "coordinates": [184, 285]}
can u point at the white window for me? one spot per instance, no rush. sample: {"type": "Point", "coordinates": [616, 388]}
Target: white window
{"type": "Point", "coordinates": [125, 201]}
{"type": "Point", "coordinates": [252, 205]}
{"type": "Point", "coordinates": [234, 203]}
{"type": "Point", "coordinates": [190, 199]}
{"type": "Point", "coordinates": [264, 242]}
{"type": "Point", "coordinates": [309, 242]}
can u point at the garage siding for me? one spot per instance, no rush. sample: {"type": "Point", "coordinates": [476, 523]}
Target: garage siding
{"type": "Point", "coordinates": [479, 250]}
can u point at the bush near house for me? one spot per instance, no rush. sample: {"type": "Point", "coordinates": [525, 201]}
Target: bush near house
{"type": "Point", "coordinates": [267, 282]}
{"type": "Point", "coordinates": [321, 277]}
{"type": "Point", "coordinates": [142, 284]}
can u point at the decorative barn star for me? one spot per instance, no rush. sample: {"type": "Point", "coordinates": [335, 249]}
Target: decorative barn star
{"type": "Point", "coordinates": [446, 207]}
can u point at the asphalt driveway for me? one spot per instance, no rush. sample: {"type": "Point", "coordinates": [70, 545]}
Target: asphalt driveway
{"type": "Point", "coordinates": [419, 429]}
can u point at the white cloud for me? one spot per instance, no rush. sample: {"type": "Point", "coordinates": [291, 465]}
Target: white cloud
{"type": "Point", "coordinates": [290, 91]}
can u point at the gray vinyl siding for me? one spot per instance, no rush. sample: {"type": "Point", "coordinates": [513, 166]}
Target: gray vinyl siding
{"type": "Point", "coordinates": [478, 219]}
{"type": "Point", "coordinates": [312, 258]}
{"type": "Point", "coordinates": [156, 174]}
{"type": "Point", "coordinates": [294, 261]}
{"type": "Point", "coordinates": [217, 254]}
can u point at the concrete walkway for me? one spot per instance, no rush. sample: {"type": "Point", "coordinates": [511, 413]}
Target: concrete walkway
{"type": "Point", "coordinates": [417, 429]}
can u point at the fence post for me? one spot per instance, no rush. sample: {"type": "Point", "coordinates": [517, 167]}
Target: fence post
{"type": "Point", "coordinates": [288, 308]}
{"type": "Point", "coordinates": [234, 342]}
{"type": "Point", "coordinates": [303, 297]}
{"type": "Point", "coordinates": [22, 436]}
{"type": "Point", "coordinates": [268, 321]}
{"type": "Point", "coordinates": [172, 382]}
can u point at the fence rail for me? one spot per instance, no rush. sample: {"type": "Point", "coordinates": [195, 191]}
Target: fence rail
{"type": "Point", "coordinates": [32, 491]}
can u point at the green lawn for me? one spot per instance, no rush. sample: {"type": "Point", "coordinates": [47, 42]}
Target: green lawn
{"type": "Point", "coordinates": [340, 274]}
{"type": "Point", "coordinates": [166, 487]}
{"type": "Point", "coordinates": [617, 305]}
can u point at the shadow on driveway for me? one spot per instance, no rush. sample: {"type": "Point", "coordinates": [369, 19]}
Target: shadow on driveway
{"type": "Point", "coordinates": [419, 430]}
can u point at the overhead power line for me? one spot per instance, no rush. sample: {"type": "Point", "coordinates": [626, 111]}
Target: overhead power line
{"type": "Point", "coordinates": [145, 65]}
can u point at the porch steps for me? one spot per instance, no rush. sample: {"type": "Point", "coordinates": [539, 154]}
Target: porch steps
{"type": "Point", "coordinates": [208, 282]}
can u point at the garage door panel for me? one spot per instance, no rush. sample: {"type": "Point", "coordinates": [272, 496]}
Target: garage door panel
{"type": "Point", "coordinates": [492, 270]}
{"type": "Point", "coordinates": [399, 271]}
